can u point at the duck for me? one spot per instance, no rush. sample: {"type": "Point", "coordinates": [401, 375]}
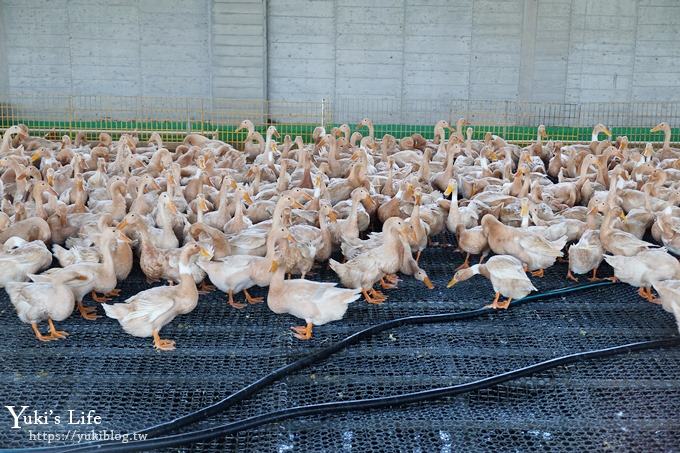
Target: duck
{"type": "Point", "coordinates": [236, 273]}
{"type": "Point", "coordinates": [618, 242]}
{"type": "Point", "coordinates": [507, 276]}
{"type": "Point", "coordinates": [45, 301]}
{"type": "Point", "coordinates": [100, 277]}
{"type": "Point", "coordinates": [366, 269]}
{"type": "Point", "coordinates": [19, 258]}
{"type": "Point", "coordinates": [669, 296]}
{"type": "Point", "coordinates": [317, 303]}
{"type": "Point", "coordinates": [587, 254]}
{"type": "Point", "coordinates": [147, 312]}
{"type": "Point", "coordinates": [532, 249]}
{"type": "Point", "coordinates": [644, 269]}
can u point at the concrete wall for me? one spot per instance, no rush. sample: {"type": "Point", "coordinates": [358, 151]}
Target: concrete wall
{"type": "Point", "coordinates": [393, 55]}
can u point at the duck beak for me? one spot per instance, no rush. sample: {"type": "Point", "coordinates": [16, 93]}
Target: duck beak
{"type": "Point", "coordinates": [656, 128]}
{"type": "Point", "coordinates": [451, 282]}
{"type": "Point", "coordinates": [276, 134]}
{"type": "Point", "coordinates": [428, 283]}
{"type": "Point", "coordinates": [623, 217]}
{"type": "Point", "coordinates": [368, 201]}
{"type": "Point", "coordinates": [333, 216]}
{"type": "Point", "coordinates": [36, 156]}
{"type": "Point", "coordinates": [233, 184]}
{"type": "Point", "coordinates": [172, 207]}
{"type": "Point", "coordinates": [297, 205]}
{"type": "Point", "coordinates": [204, 252]}
{"type": "Point", "coordinates": [448, 191]}
{"type": "Point", "coordinates": [274, 266]}
{"type": "Point", "coordinates": [247, 199]}
{"type": "Point", "coordinates": [240, 128]}
{"type": "Point", "coordinates": [203, 205]}
{"type": "Point", "coordinates": [355, 156]}
{"type": "Point", "coordinates": [307, 196]}
{"type": "Point", "coordinates": [607, 132]}
{"type": "Point", "coordinates": [154, 185]}
{"type": "Point", "coordinates": [50, 180]}
{"type": "Point", "coordinates": [124, 237]}
{"type": "Point", "coordinates": [52, 191]}
{"type": "Point", "coordinates": [121, 226]}
{"type": "Point", "coordinates": [359, 125]}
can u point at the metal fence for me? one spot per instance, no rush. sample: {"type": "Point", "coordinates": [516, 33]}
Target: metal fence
{"type": "Point", "coordinates": [175, 117]}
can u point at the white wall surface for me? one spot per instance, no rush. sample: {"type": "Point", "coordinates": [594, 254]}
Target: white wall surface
{"type": "Point", "coordinates": [409, 51]}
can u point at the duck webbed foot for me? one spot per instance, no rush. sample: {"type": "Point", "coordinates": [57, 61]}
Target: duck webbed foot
{"type": "Point", "coordinates": [54, 333]}
{"type": "Point", "coordinates": [539, 273]}
{"type": "Point", "coordinates": [386, 285]}
{"type": "Point", "coordinates": [115, 292]}
{"type": "Point", "coordinates": [303, 332]}
{"type": "Point", "coordinates": [205, 288]}
{"type": "Point", "coordinates": [465, 264]}
{"type": "Point", "coordinates": [370, 297]}
{"type": "Point", "coordinates": [39, 335]}
{"type": "Point", "coordinates": [570, 276]}
{"type": "Point", "coordinates": [160, 344]}
{"type": "Point", "coordinates": [594, 278]}
{"type": "Point", "coordinates": [494, 304]}
{"type": "Point", "coordinates": [98, 298]}
{"type": "Point", "coordinates": [88, 313]}
{"type": "Point", "coordinates": [251, 299]}
{"type": "Point", "coordinates": [233, 303]}
{"type": "Point", "coordinates": [646, 293]}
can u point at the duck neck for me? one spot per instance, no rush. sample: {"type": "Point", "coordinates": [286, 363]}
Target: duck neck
{"type": "Point", "coordinates": [667, 137]}
{"type": "Point", "coordinates": [525, 220]}
{"type": "Point", "coordinates": [187, 285]}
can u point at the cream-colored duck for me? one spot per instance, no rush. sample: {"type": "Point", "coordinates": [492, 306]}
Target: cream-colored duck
{"type": "Point", "coordinates": [532, 249]}
{"type": "Point", "coordinates": [666, 129]}
{"type": "Point", "coordinates": [100, 277]}
{"type": "Point", "coordinates": [618, 242]}
{"type": "Point", "coordinates": [45, 301]}
{"type": "Point", "coordinates": [669, 296]}
{"type": "Point", "coordinates": [506, 274]}
{"type": "Point", "coordinates": [236, 273]}
{"type": "Point", "coordinates": [239, 221]}
{"type": "Point", "coordinates": [644, 269]}
{"type": "Point", "coordinates": [669, 230]}
{"type": "Point", "coordinates": [19, 258]}
{"type": "Point", "coordinates": [466, 215]}
{"type": "Point", "coordinates": [587, 254]}
{"type": "Point", "coordinates": [157, 263]}
{"type": "Point", "coordinates": [316, 303]}
{"type": "Point", "coordinates": [370, 267]}
{"type": "Point", "coordinates": [347, 230]}
{"type": "Point", "coordinates": [146, 313]}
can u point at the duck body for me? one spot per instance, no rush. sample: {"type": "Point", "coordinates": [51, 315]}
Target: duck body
{"type": "Point", "coordinates": [20, 258]}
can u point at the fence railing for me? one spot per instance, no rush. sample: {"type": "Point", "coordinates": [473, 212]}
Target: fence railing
{"type": "Point", "coordinates": [175, 117]}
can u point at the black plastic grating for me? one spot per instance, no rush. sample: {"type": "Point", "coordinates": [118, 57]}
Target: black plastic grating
{"type": "Point", "coordinates": [624, 403]}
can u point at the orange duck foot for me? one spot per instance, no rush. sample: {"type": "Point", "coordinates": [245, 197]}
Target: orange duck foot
{"type": "Point", "coordinates": [54, 332]}
{"type": "Point", "coordinates": [303, 332]}
{"type": "Point", "coordinates": [115, 292]}
{"type": "Point", "coordinates": [370, 299]}
{"type": "Point", "coordinates": [205, 288]}
{"type": "Point", "coordinates": [539, 273]}
{"type": "Point", "coordinates": [88, 313]}
{"type": "Point", "coordinates": [162, 345]}
{"type": "Point", "coordinates": [98, 298]}
{"type": "Point", "coordinates": [570, 276]}
{"type": "Point", "coordinates": [252, 300]}
{"type": "Point", "coordinates": [39, 335]}
{"type": "Point", "coordinates": [233, 303]}
{"type": "Point", "coordinates": [386, 285]}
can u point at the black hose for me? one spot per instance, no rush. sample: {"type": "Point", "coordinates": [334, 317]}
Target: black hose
{"type": "Point", "coordinates": [326, 352]}
{"type": "Point", "coordinates": [372, 403]}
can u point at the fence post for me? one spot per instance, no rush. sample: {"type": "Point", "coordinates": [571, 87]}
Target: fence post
{"type": "Point", "coordinates": [323, 113]}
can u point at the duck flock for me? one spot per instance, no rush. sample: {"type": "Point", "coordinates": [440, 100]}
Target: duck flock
{"type": "Point", "coordinates": [207, 213]}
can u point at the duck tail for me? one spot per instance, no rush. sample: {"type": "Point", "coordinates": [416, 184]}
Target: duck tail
{"type": "Point", "coordinates": [116, 311]}
{"type": "Point", "coordinates": [335, 265]}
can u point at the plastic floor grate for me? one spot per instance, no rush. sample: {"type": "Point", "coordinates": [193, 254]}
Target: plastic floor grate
{"type": "Point", "coordinates": [625, 403]}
